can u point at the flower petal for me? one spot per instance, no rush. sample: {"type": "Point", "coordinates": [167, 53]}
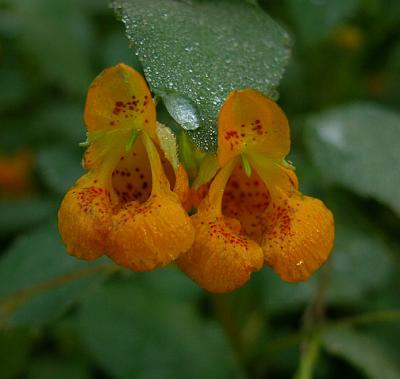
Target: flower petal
{"type": "Point", "coordinates": [220, 259]}
{"type": "Point", "coordinates": [149, 235]}
{"type": "Point", "coordinates": [298, 237]}
{"type": "Point", "coordinates": [251, 122]}
{"type": "Point", "coordinates": [119, 98]}
{"type": "Point", "coordinates": [84, 218]}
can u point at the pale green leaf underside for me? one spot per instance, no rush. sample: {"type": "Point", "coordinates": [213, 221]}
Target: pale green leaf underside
{"type": "Point", "coordinates": [201, 50]}
{"type": "Point", "coordinates": [357, 146]}
{"type": "Point", "coordinates": [362, 351]}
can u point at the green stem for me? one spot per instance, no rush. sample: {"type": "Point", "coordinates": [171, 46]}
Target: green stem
{"type": "Point", "coordinates": [313, 316]}
{"type": "Point", "coordinates": [231, 329]}
{"type": "Point", "coordinates": [367, 318]}
{"type": "Point", "coordinates": [308, 358]}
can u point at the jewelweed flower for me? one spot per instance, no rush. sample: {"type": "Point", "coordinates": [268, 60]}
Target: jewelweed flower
{"type": "Point", "coordinates": [128, 204]}
{"type": "Point", "coordinates": [253, 212]}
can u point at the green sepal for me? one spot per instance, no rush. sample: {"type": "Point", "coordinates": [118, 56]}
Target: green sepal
{"type": "Point", "coordinates": [92, 137]}
{"type": "Point", "coordinates": [207, 170]}
{"type": "Point", "coordinates": [288, 164]}
{"type": "Point", "coordinates": [188, 154]}
{"type": "Point", "coordinates": [246, 165]}
{"type": "Point", "coordinates": [132, 139]}
{"type": "Point", "coordinates": [168, 144]}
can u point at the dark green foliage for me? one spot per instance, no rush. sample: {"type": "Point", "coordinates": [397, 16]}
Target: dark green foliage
{"type": "Point", "coordinates": [65, 318]}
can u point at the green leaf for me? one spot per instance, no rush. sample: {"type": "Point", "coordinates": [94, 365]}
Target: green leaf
{"type": "Point", "coordinates": [201, 50]}
{"type": "Point", "coordinates": [48, 367]}
{"type": "Point", "coordinates": [15, 346]}
{"type": "Point", "coordinates": [114, 50]}
{"type": "Point", "coordinates": [58, 46]}
{"type": "Point", "coordinates": [39, 280]}
{"type": "Point", "coordinates": [171, 283]}
{"type": "Point", "coordinates": [14, 87]}
{"type": "Point", "coordinates": [280, 296]}
{"type": "Point", "coordinates": [357, 146]}
{"type": "Point", "coordinates": [362, 351]}
{"type": "Point", "coordinates": [59, 167]}
{"type": "Point", "coordinates": [361, 247]}
{"type": "Point", "coordinates": [315, 19]}
{"type": "Point", "coordinates": [18, 214]}
{"type": "Point", "coordinates": [58, 121]}
{"type": "Point", "coordinates": [135, 331]}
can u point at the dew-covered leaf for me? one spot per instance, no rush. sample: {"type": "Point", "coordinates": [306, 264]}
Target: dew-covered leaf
{"type": "Point", "coordinates": [200, 50]}
{"type": "Point", "coordinates": [364, 352]}
{"type": "Point", "coordinates": [357, 146]}
{"type": "Point", "coordinates": [182, 110]}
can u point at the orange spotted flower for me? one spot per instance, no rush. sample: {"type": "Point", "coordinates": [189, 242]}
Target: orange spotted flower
{"type": "Point", "coordinates": [127, 204]}
{"type": "Point", "coordinates": [253, 212]}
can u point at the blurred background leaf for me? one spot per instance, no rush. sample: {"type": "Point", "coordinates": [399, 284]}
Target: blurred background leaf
{"type": "Point", "coordinates": [318, 18]}
{"type": "Point", "coordinates": [164, 331]}
{"type": "Point", "coordinates": [363, 351]}
{"type": "Point", "coordinates": [357, 146]}
{"type": "Point", "coordinates": [38, 280]}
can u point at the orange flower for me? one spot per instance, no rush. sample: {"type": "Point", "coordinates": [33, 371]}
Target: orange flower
{"type": "Point", "coordinates": [124, 206]}
{"type": "Point", "coordinates": [15, 173]}
{"type": "Point", "coordinates": [253, 212]}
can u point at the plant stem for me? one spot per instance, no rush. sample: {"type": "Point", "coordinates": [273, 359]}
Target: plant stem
{"type": "Point", "coordinates": [367, 318]}
{"type": "Point", "coordinates": [230, 327]}
{"type": "Point", "coordinates": [308, 358]}
{"type": "Point", "coordinates": [313, 316]}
